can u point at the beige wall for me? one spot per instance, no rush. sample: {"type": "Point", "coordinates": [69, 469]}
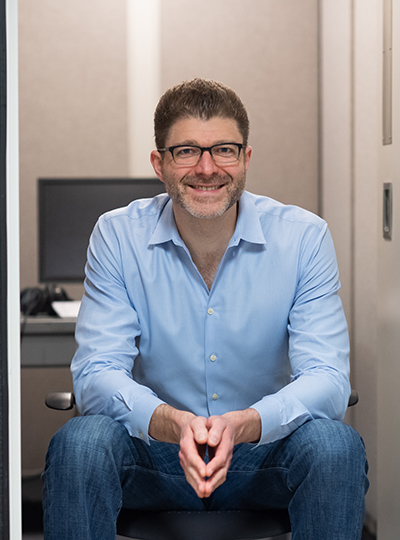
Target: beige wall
{"type": "Point", "coordinates": [367, 232]}
{"type": "Point", "coordinates": [349, 202]}
{"type": "Point", "coordinates": [267, 52]}
{"type": "Point", "coordinates": [355, 166]}
{"type": "Point", "coordinates": [388, 288]}
{"type": "Point", "coordinates": [72, 75]}
{"type": "Point", "coordinates": [73, 90]}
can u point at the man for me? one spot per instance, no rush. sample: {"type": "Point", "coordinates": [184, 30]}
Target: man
{"type": "Point", "coordinates": [212, 367]}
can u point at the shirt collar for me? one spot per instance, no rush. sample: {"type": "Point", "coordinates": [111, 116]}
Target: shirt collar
{"type": "Point", "coordinates": [248, 226]}
{"type": "Point", "coordinates": [166, 228]}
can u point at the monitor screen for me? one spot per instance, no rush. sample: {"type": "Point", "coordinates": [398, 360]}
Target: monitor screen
{"type": "Point", "coordinates": [68, 211]}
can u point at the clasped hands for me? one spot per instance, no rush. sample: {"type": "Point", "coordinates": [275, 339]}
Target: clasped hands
{"type": "Point", "coordinates": [195, 434]}
{"type": "Point", "coordinates": [218, 434]}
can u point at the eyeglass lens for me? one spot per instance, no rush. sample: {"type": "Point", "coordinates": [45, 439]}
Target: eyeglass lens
{"type": "Point", "coordinates": [221, 153]}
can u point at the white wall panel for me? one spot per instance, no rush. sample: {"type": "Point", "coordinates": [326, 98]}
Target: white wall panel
{"type": "Point", "coordinates": [13, 316]}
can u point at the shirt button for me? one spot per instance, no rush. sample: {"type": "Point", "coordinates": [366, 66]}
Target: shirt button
{"type": "Point", "coordinates": [213, 358]}
{"type": "Point", "coordinates": [141, 436]}
{"type": "Point", "coordinates": [215, 397]}
{"type": "Point", "coordinates": [210, 311]}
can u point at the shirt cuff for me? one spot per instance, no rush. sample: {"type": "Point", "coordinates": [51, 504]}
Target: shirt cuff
{"type": "Point", "coordinates": [140, 412]}
{"type": "Point", "coordinates": [270, 411]}
{"type": "Point", "coordinates": [280, 416]}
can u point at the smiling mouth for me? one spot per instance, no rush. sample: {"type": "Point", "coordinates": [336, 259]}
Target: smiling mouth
{"type": "Point", "coordinates": [207, 188]}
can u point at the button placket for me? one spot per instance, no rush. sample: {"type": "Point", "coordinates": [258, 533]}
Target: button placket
{"type": "Point", "coordinates": [211, 348]}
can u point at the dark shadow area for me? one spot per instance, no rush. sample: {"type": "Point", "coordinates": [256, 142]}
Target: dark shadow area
{"type": "Point", "coordinates": [32, 517]}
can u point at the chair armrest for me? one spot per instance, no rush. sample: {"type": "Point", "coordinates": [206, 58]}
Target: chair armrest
{"type": "Point", "coordinates": [353, 399]}
{"type": "Point", "coordinates": [64, 401]}
{"type": "Point", "coordinates": [61, 401]}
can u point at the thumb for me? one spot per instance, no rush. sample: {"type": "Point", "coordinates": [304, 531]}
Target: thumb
{"type": "Point", "coordinates": [200, 431]}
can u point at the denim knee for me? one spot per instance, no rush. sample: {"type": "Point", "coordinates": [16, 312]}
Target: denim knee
{"type": "Point", "coordinates": [332, 451]}
{"type": "Point", "coordinates": [82, 491]}
{"type": "Point", "coordinates": [84, 438]}
{"type": "Point", "coordinates": [327, 475]}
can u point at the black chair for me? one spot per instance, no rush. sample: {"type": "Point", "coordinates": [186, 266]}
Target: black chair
{"type": "Point", "coordinates": [224, 525]}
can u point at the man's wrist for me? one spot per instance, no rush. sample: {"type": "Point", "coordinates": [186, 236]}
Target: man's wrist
{"type": "Point", "coordinates": [247, 425]}
{"type": "Point", "coordinates": [167, 422]}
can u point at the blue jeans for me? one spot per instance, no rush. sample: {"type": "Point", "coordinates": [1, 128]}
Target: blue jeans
{"type": "Point", "coordinates": [94, 468]}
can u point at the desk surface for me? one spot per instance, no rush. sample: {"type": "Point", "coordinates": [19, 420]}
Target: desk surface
{"type": "Point", "coordinates": [47, 325]}
{"type": "Point", "coordinates": [47, 341]}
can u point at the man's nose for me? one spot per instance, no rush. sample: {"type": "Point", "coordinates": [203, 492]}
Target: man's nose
{"type": "Point", "coordinates": [206, 164]}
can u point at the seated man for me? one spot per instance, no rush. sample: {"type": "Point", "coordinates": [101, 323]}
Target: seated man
{"type": "Point", "coordinates": [212, 370]}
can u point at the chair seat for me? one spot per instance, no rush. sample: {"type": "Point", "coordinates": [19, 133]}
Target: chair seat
{"type": "Point", "coordinates": [207, 525]}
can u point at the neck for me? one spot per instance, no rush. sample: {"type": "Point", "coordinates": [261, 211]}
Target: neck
{"type": "Point", "coordinates": [206, 234]}
{"type": "Point", "coordinates": [206, 239]}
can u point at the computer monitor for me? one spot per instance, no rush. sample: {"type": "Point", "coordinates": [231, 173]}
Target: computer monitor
{"type": "Point", "coordinates": [68, 211]}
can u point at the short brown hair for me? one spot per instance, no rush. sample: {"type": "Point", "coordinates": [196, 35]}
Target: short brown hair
{"type": "Point", "coordinates": [198, 98]}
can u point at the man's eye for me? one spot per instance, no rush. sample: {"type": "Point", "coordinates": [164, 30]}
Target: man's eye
{"type": "Point", "coordinates": [224, 150]}
{"type": "Point", "coordinates": [186, 151]}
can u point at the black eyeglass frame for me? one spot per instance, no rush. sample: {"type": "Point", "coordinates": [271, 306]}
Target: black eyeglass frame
{"type": "Point", "coordinates": [202, 149]}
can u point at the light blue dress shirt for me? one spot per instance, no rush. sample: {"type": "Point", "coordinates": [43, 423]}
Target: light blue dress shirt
{"type": "Point", "coordinates": [270, 334]}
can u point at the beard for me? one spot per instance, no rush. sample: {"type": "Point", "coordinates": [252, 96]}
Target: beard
{"type": "Point", "coordinates": [179, 192]}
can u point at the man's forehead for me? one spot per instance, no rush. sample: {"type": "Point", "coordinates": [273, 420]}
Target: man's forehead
{"type": "Point", "coordinates": [195, 129]}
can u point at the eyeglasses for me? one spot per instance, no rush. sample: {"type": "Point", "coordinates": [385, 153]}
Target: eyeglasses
{"type": "Point", "coordinates": [190, 154]}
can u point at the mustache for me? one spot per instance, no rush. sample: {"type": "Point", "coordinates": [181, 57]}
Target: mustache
{"type": "Point", "coordinates": [215, 179]}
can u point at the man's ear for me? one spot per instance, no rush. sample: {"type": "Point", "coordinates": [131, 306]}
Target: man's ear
{"type": "Point", "coordinates": [156, 161]}
{"type": "Point", "coordinates": [247, 156]}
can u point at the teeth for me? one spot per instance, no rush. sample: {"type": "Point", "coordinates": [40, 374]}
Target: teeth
{"type": "Point", "coordinates": [209, 188]}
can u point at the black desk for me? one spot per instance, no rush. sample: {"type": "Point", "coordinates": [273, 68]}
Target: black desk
{"type": "Point", "coordinates": [47, 341]}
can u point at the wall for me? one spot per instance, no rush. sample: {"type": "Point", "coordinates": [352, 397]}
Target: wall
{"type": "Point", "coordinates": [388, 306]}
{"type": "Point", "coordinates": [367, 141]}
{"type": "Point", "coordinates": [350, 80]}
{"type": "Point", "coordinates": [74, 103]}
{"type": "Point", "coordinates": [355, 165]}
{"type": "Point", "coordinates": [267, 52]}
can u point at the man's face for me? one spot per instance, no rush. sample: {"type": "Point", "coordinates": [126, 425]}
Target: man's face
{"type": "Point", "coordinates": [205, 190]}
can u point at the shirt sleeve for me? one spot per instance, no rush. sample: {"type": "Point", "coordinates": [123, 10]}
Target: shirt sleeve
{"type": "Point", "coordinates": [107, 332]}
{"type": "Point", "coordinates": [318, 347]}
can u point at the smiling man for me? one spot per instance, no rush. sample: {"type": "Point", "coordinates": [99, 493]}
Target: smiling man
{"type": "Point", "coordinates": [213, 177]}
{"type": "Point", "coordinates": [212, 368]}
